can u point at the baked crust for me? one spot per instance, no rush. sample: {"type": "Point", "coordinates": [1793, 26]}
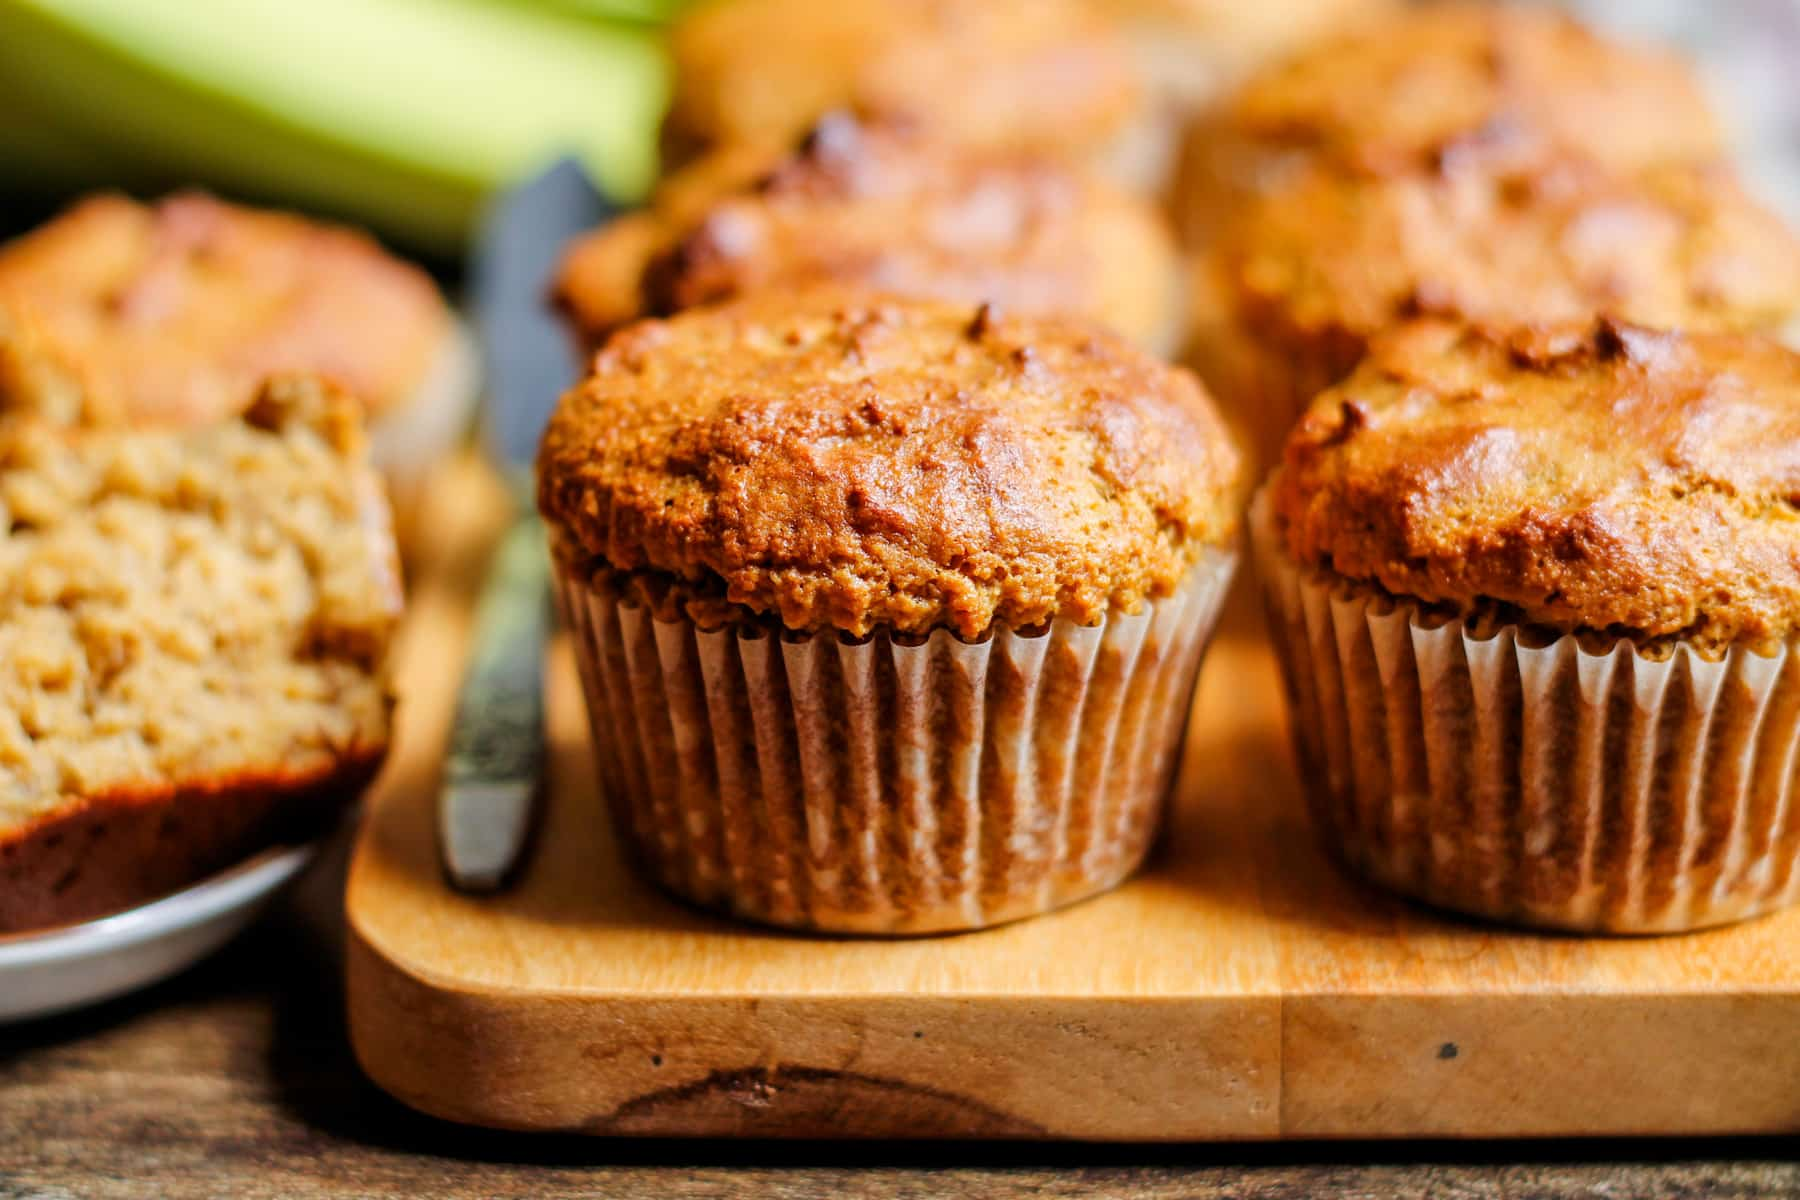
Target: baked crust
{"type": "Point", "coordinates": [175, 312]}
{"type": "Point", "coordinates": [883, 208]}
{"type": "Point", "coordinates": [1602, 478]}
{"type": "Point", "coordinates": [1506, 84]}
{"type": "Point", "coordinates": [1045, 75]}
{"type": "Point", "coordinates": [102, 854]}
{"type": "Point", "coordinates": [1313, 270]}
{"type": "Point", "coordinates": [847, 462]}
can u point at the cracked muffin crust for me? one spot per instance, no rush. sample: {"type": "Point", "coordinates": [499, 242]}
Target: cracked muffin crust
{"type": "Point", "coordinates": [1043, 75]}
{"type": "Point", "coordinates": [882, 208]}
{"type": "Point", "coordinates": [193, 639]}
{"type": "Point", "coordinates": [840, 461]}
{"type": "Point", "coordinates": [1604, 479]}
{"type": "Point", "coordinates": [1504, 84]}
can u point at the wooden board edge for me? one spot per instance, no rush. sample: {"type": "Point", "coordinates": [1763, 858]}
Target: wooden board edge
{"type": "Point", "coordinates": [1540, 1065]}
{"type": "Point", "coordinates": [1145, 1069]}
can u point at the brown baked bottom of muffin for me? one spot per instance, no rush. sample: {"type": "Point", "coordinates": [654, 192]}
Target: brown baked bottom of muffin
{"type": "Point", "coordinates": [126, 847]}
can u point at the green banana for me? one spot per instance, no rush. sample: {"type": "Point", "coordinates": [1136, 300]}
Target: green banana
{"type": "Point", "coordinates": [405, 114]}
{"type": "Point", "coordinates": [654, 12]}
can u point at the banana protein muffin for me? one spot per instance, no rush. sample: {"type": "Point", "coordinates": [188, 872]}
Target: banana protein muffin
{"type": "Point", "coordinates": [1537, 597]}
{"type": "Point", "coordinates": [1188, 50]}
{"type": "Point", "coordinates": [1506, 84]}
{"type": "Point", "coordinates": [912, 595]}
{"type": "Point", "coordinates": [1287, 304]}
{"type": "Point", "coordinates": [1040, 75]}
{"type": "Point", "coordinates": [174, 313]}
{"type": "Point", "coordinates": [193, 638]}
{"type": "Point", "coordinates": [879, 207]}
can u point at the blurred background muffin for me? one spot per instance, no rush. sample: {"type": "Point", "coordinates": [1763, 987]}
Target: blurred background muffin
{"type": "Point", "coordinates": [1188, 51]}
{"type": "Point", "coordinates": [889, 209]}
{"type": "Point", "coordinates": [1309, 271]}
{"type": "Point", "coordinates": [1050, 76]}
{"type": "Point", "coordinates": [1496, 163]}
{"type": "Point", "coordinates": [175, 312]}
{"type": "Point", "coordinates": [824, 552]}
{"type": "Point", "coordinates": [1444, 84]}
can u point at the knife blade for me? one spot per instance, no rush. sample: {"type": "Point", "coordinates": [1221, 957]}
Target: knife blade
{"type": "Point", "coordinates": [487, 808]}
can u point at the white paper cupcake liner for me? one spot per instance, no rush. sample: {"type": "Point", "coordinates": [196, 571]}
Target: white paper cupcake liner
{"type": "Point", "coordinates": [1538, 784]}
{"type": "Point", "coordinates": [877, 787]}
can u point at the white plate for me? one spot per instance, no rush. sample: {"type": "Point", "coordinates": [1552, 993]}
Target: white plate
{"type": "Point", "coordinates": [74, 965]}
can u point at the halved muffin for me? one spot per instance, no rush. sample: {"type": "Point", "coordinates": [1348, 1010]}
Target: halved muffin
{"type": "Point", "coordinates": [194, 629]}
{"type": "Point", "coordinates": [881, 207]}
{"type": "Point", "coordinates": [174, 313]}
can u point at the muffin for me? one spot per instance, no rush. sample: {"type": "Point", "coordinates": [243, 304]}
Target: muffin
{"type": "Point", "coordinates": [888, 611]}
{"type": "Point", "coordinates": [1311, 271]}
{"type": "Point", "coordinates": [1046, 76]}
{"type": "Point", "coordinates": [1453, 82]}
{"type": "Point", "coordinates": [881, 208]}
{"type": "Point", "coordinates": [1187, 51]}
{"type": "Point", "coordinates": [174, 313]}
{"type": "Point", "coordinates": [193, 638]}
{"type": "Point", "coordinates": [1537, 597]}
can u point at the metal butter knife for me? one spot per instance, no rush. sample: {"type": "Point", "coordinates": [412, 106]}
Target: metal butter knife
{"type": "Point", "coordinates": [491, 791]}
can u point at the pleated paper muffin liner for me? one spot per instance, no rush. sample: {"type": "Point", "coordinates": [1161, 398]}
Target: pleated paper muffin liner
{"type": "Point", "coordinates": [1542, 784]}
{"type": "Point", "coordinates": [873, 786]}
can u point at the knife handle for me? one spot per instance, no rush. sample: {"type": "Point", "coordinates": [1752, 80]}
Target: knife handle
{"type": "Point", "coordinates": [496, 758]}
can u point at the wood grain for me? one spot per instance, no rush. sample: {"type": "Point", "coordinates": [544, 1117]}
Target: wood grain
{"type": "Point", "coordinates": [1242, 988]}
{"type": "Point", "coordinates": [236, 1080]}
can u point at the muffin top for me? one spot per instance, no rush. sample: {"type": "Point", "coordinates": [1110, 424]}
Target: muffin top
{"type": "Point", "coordinates": [1232, 33]}
{"type": "Point", "coordinates": [1599, 477]}
{"type": "Point", "coordinates": [847, 462]}
{"type": "Point", "coordinates": [1462, 78]}
{"type": "Point", "coordinates": [1041, 74]}
{"type": "Point", "coordinates": [176, 312]}
{"type": "Point", "coordinates": [882, 208]}
{"type": "Point", "coordinates": [1329, 259]}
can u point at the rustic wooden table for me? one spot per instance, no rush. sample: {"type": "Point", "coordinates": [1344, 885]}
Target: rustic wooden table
{"type": "Point", "coordinates": [236, 1080]}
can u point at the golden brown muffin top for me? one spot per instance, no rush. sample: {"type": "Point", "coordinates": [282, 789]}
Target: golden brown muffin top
{"type": "Point", "coordinates": [842, 461]}
{"type": "Point", "coordinates": [179, 310]}
{"type": "Point", "coordinates": [1461, 78]}
{"type": "Point", "coordinates": [884, 209]}
{"type": "Point", "coordinates": [1332, 258]}
{"type": "Point", "coordinates": [1046, 75]}
{"type": "Point", "coordinates": [1600, 477]}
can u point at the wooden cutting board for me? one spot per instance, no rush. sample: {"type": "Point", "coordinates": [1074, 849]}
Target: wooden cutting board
{"type": "Point", "coordinates": [1243, 987]}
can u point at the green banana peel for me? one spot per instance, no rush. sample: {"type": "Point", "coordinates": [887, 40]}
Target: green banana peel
{"type": "Point", "coordinates": [405, 114]}
{"type": "Point", "coordinates": [650, 12]}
